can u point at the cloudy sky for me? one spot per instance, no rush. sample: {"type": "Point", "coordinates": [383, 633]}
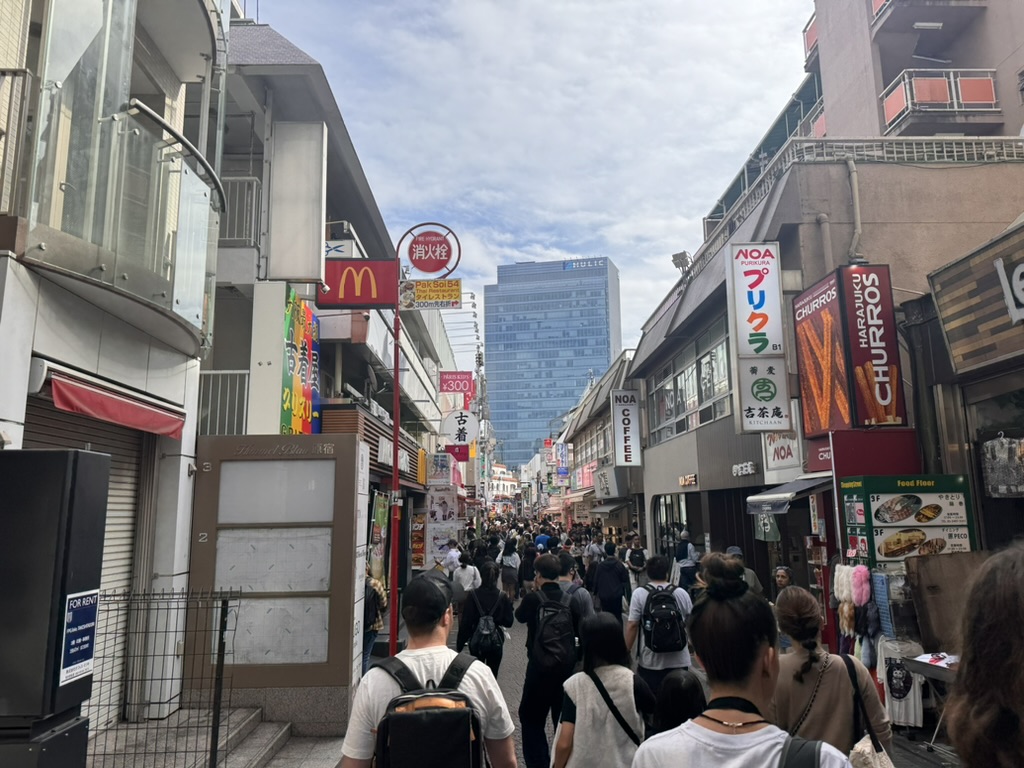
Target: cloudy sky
{"type": "Point", "coordinates": [553, 129]}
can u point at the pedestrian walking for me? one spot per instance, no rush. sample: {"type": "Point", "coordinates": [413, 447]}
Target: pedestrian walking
{"type": "Point", "coordinates": [579, 598]}
{"type": "Point", "coordinates": [510, 562]}
{"type": "Point", "coordinates": [734, 633]}
{"type": "Point", "coordinates": [552, 626]}
{"type": "Point", "coordinates": [375, 602]}
{"type": "Point", "coordinates": [427, 611]}
{"type": "Point", "coordinates": [636, 562]}
{"type": "Point", "coordinates": [657, 621]}
{"type": "Point", "coordinates": [604, 691]}
{"type": "Point", "coordinates": [814, 698]}
{"type": "Point", "coordinates": [527, 572]}
{"type": "Point", "coordinates": [748, 573]}
{"type": "Point", "coordinates": [465, 578]}
{"type": "Point", "coordinates": [684, 566]}
{"type": "Point", "coordinates": [611, 583]}
{"type": "Point", "coordinates": [486, 601]}
{"type": "Point", "coordinates": [679, 700]}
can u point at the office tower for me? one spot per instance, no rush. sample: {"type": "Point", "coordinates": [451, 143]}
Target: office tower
{"type": "Point", "coordinates": [550, 327]}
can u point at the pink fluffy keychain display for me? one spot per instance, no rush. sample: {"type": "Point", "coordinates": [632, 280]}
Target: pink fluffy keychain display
{"type": "Point", "coordinates": [861, 585]}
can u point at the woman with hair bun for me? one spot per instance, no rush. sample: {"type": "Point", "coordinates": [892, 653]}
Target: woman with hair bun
{"type": "Point", "coordinates": [735, 636]}
{"type": "Point", "coordinates": [814, 695]}
{"type": "Point", "coordinates": [985, 710]}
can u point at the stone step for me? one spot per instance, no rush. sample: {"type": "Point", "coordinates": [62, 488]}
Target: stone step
{"type": "Point", "coordinates": [259, 747]}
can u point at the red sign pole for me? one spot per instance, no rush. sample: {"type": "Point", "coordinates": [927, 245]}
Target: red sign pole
{"type": "Point", "coordinates": [396, 505]}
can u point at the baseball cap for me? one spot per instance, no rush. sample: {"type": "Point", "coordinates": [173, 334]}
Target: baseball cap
{"type": "Point", "coordinates": [734, 551]}
{"type": "Point", "coordinates": [684, 534]}
{"type": "Point", "coordinates": [425, 599]}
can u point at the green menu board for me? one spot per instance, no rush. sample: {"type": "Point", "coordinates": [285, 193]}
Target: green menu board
{"type": "Point", "coordinates": [887, 519]}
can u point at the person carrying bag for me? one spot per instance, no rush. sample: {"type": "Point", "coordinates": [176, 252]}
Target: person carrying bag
{"type": "Point", "coordinates": [868, 751]}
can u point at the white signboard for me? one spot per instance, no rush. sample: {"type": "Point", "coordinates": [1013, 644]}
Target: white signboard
{"type": "Point", "coordinates": [626, 427]}
{"type": "Point", "coordinates": [460, 427]}
{"type": "Point", "coordinates": [755, 298]}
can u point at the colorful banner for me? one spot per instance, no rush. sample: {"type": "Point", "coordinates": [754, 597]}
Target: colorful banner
{"type": "Point", "coordinates": [821, 358]}
{"type": "Point", "coordinates": [439, 469]}
{"type": "Point", "coordinates": [456, 383]}
{"type": "Point", "coordinates": [430, 294]}
{"type": "Point", "coordinates": [300, 390]}
{"type": "Point", "coordinates": [419, 539]}
{"type": "Point", "coordinates": [755, 299]}
{"type": "Point", "coordinates": [873, 346]}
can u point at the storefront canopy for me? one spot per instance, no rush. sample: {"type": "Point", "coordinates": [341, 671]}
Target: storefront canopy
{"type": "Point", "coordinates": [578, 496]}
{"type": "Point", "coordinates": [776, 501]}
{"type": "Point", "coordinates": [608, 507]}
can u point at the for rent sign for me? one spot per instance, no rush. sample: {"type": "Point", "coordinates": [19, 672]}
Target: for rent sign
{"type": "Point", "coordinates": [626, 427]}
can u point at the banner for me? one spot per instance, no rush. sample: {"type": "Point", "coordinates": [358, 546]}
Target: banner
{"type": "Point", "coordinates": [873, 346]}
{"type": "Point", "coordinates": [626, 427]}
{"type": "Point", "coordinates": [379, 538]}
{"type": "Point", "coordinates": [562, 460]}
{"type": "Point", "coordinates": [755, 302]}
{"type": "Point", "coordinates": [457, 383]}
{"type": "Point", "coordinates": [821, 358]}
{"type": "Point", "coordinates": [300, 390]}
{"type": "Point", "coordinates": [418, 539]}
{"type": "Point", "coordinates": [430, 294]}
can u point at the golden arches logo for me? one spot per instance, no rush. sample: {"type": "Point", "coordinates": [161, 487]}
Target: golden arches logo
{"type": "Point", "coordinates": [358, 275]}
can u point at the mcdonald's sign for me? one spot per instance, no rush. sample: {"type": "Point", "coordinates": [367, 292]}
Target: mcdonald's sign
{"type": "Point", "coordinates": [359, 284]}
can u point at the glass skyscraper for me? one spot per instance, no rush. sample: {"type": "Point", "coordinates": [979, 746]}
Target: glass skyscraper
{"type": "Point", "coordinates": [549, 328]}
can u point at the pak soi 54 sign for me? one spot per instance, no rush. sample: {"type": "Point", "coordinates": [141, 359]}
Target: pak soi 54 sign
{"type": "Point", "coordinates": [758, 335]}
{"type": "Point", "coordinates": [359, 284]}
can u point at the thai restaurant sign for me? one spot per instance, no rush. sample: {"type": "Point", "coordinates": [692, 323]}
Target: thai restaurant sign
{"type": "Point", "coordinates": [848, 352]}
{"type": "Point", "coordinates": [758, 338]}
{"type": "Point", "coordinates": [626, 427]}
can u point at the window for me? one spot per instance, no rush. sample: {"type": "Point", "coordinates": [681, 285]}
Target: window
{"type": "Point", "coordinates": [693, 390]}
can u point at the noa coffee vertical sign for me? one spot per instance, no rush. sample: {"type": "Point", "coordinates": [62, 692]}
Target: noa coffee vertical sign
{"type": "Point", "coordinates": [626, 427]}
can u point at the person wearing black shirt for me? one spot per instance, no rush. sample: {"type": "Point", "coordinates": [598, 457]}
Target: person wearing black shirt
{"type": "Point", "coordinates": [491, 599]}
{"type": "Point", "coordinates": [542, 689]}
{"type": "Point", "coordinates": [611, 583]}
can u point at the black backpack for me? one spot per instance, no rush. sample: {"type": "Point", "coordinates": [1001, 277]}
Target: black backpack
{"type": "Point", "coordinates": [637, 558]}
{"type": "Point", "coordinates": [663, 621]}
{"type": "Point", "coordinates": [554, 642]}
{"type": "Point", "coordinates": [371, 606]}
{"type": "Point", "coordinates": [442, 717]}
{"type": "Point", "coordinates": [488, 638]}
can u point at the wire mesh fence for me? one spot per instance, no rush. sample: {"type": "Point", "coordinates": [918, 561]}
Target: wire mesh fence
{"type": "Point", "coordinates": [161, 681]}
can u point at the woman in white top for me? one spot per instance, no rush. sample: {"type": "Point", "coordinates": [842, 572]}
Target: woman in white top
{"type": "Point", "coordinates": [590, 733]}
{"type": "Point", "coordinates": [466, 578]}
{"type": "Point", "coordinates": [510, 562]}
{"type": "Point", "coordinates": [735, 636]}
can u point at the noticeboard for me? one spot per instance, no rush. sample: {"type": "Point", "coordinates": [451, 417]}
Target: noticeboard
{"type": "Point", "coordinates": [78, 645]}
{"type": "Point", "coordinates": [887, 519]}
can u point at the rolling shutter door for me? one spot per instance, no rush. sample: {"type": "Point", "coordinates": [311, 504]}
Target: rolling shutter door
{"type": "Point", "coordinates": [48, 427]}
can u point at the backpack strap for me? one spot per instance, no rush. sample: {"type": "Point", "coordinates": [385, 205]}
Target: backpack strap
{"type": "Point", "coordinates": [859, 710]}
{"type": "Point", "coordinates": [613, 709]}
{"type": "Point", "coordinates": [400, 673]}
{"type": "Point", "coordinates": [573, 589]}
{"type": "Point", "coordinates": [800, 753]}
{"type": "Point", "coordinates": [476, 599]}
{"type": "Point", "coordinates": [456, 671]}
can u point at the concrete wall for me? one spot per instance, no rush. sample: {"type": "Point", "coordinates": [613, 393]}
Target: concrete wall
{"type": "Point", "coordinates": [850, 80]}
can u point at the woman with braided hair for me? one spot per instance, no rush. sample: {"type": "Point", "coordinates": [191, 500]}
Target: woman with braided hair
{"type": "Point", "coordinates": [814, 695]}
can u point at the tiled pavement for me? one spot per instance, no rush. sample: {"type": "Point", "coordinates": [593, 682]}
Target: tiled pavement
{"type": "Point", "coordinates": [302, 752]}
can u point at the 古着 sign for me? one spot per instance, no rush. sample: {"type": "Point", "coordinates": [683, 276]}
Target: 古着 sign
{"type": "Point", "coordinates": [755, 301]}
{"type": "Point", "coordinates": [626, 427]}
{"type": "Point", "coordinates": [460, 427]}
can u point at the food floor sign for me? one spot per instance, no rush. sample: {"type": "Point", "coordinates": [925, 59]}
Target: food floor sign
{"type": "Point", "coordinates": [890, 518]}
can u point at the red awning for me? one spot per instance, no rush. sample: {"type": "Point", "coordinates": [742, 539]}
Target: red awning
{"type": "Point", "coordinates": [77, 396]}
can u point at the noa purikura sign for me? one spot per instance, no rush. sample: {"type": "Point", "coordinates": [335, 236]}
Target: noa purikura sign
{"type": "Point", "coordinates": [626, 427]}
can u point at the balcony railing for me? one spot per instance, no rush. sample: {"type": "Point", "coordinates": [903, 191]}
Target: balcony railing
{"type": "Point", "coordinates": [939, 90]}
{"type": "Point", "coordinates": [15, 90]}
{"type": "Point", "coordinates": [813, 126]}
{"type": "Point", "coordinates": [223, 402]}
{"type": "Point", "coordinates": [240, 224]}
{"type": "Point", "coordinates": [878, 6]}
{"type": "Point", "coordinates": [811, 36]}
{"type": "Point", "coordinates": [916, 150]}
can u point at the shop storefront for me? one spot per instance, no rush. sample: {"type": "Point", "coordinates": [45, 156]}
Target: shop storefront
{"type": "Point", "coordinates": [979, 402]}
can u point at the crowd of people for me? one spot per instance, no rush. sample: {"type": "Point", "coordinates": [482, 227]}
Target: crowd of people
{"type": "Point", "coordinates": [648, 661]}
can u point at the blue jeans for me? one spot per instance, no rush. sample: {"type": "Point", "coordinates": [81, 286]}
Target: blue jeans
{"type": "Point", "coordinates": [369, 638]}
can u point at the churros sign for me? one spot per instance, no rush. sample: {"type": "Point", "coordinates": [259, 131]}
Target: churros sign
{"type": "Point", "coordinates": [873, 346]}
{"type": "Point", "coordinates": [848, 352]}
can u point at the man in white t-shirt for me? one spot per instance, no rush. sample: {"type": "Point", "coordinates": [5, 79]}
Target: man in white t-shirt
{"type": "Point", "coordinates": [426, 608]}
{"type": "Point", "coordinates": [653, 666]}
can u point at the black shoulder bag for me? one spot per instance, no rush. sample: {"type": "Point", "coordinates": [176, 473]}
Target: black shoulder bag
{"type": "Point", "coordinates": [614, 710]}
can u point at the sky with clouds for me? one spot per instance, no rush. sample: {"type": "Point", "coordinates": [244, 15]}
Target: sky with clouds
{"type": "Point", "coordinates": [554, 129]}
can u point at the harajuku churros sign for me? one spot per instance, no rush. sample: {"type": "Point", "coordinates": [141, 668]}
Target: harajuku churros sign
{"type": "Point", "coordinates": [848, 353]}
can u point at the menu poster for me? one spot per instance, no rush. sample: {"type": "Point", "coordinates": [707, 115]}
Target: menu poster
{"type": "Point", "coordinates": [419, 539]}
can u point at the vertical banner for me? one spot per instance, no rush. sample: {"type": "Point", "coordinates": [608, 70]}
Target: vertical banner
{"type": "Point", "coordinates": [562, 459]}
{"type": "Point", "coordinates": [873, 346]}
{"type": "Point", "coordinates": [379, 538]}
{"type": "Point", "coordinates": [626, 427]}
{"type": "Point", "coordinates": [300, 390]}
{"type": "Point", "coordinates": [821, 358]}
{"type": "Point", "coordinates": [755, 299]}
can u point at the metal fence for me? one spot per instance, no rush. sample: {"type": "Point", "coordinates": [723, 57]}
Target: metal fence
{"type": "Point", "coordinates": [161, 681]}
{"type": "Point", "coordinates": [223, 402]}
{"type": "Point", "coordinates": [240, 225]}
{"type": "Point", "coordinates": [16, 90]}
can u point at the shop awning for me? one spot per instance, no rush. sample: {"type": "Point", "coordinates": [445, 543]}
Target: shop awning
{"type": "Point", "coordinates": [77, 396]}
{"type": "Point", "coordinates": [571, 498]}
{"type": "Point", "coordinates": [607, 507]}
{"type": "Point", "coordinates": [776, 501]}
